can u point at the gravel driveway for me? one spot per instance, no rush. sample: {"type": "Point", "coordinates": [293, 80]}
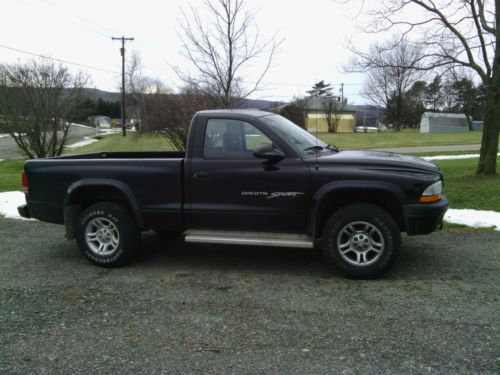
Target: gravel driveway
{"type": "Point", "coordinates": [211, 309]}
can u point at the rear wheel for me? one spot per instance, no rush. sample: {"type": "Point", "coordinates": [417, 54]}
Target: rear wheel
{"type": "Point", "coordinates": [107, 234]}
{"type": "Point", "coordinates": [361, 240]}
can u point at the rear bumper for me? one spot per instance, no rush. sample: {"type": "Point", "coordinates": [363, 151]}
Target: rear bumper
{"type": "Point", "coordinates": [422, 218]}
{"type": "Point", "coordinates": [24, 211]}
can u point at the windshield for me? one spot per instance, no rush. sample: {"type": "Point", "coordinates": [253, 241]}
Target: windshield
{"type": "Point", "coordinates": [300, 139]}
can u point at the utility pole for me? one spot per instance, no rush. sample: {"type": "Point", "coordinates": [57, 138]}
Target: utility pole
{"type": "Point", "coordinates": [122, 51]}
{"type": "Point", "coordinates": [342, 92]}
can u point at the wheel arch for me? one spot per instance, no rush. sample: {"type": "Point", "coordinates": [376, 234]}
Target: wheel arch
{"type": "Point", "coordinates": [333, 196]}
{"type": "Point", "coordinates": [85, 192]}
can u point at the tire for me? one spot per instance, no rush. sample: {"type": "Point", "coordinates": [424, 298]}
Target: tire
{"type": "Point", "coordinates": [361, 240]}
{"type": "Point", "coordinates": [107, 234]}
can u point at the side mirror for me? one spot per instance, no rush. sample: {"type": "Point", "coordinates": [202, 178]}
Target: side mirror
{"type": "Point", "coordinates": [268, 151]}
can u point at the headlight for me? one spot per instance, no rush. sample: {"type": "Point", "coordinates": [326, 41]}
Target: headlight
{"type": "Point", "coordinates": [433, 193]}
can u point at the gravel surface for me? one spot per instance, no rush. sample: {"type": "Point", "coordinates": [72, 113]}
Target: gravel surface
{"type": "Point", "coordinates": [211, 309]}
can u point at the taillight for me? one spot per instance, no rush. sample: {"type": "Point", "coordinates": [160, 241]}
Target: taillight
{"type": "Point", "coordinates": [25, 183]}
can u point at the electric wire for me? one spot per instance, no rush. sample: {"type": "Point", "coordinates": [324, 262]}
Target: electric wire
{"type": "Point", "coordinates": [58, 60]}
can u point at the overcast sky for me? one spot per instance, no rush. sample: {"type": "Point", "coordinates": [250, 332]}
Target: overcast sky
{"type": "Point", "coordinates": [315, 33]}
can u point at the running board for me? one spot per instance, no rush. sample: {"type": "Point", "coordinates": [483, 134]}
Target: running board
{"type": "Point", "coordinates": [249, 238]}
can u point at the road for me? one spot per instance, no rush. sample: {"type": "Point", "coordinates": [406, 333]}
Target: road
{"type": "Point", "coordinates": [212, 309]}
{"type": "Point", "coordinates": [9, 149]}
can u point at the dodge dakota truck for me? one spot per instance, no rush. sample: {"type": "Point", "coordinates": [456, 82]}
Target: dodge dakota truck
{"type": "Point", "coordinates": [247, 177]}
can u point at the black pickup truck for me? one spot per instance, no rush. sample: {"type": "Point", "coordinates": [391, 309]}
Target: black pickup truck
{"type": "Point", "coordinates": [247, 177]}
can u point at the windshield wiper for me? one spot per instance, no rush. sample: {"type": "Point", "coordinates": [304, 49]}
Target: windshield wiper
{"type": "Point", "coordinates": [333, 147]}
{"type": "Point", "coordinates": [314, 148]}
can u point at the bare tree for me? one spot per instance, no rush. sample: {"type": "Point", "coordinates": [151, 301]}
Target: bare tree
{"type": "Point", "coordinates": [460, 33]}
{"type": "Point", "coordinates": [220, 46]}
{"type": "Point", "coordinates": [38, 101]}
{"type": "Point", "coordinates": [138, 87]}
{"type": "Point", "coordinates": [333, 109]}
{"type": "Point", "coordinates": [170, 114]}
{"type": "Point", "coordinates": [295, 111]}
{"type": "Point", "coordinates": [391, 69]}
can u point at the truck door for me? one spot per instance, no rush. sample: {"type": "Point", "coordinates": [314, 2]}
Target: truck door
{"type": "Point", "coordinates": [232, 189]}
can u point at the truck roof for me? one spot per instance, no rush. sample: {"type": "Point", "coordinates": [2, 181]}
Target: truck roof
{"type": "Point", "coordinates": [239, 112]}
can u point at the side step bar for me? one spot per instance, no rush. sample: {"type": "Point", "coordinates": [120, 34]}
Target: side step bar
{"type": "Point", "coordinates": [249, 238]}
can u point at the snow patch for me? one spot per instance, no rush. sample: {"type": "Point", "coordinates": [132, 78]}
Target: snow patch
{"type": "Point", "coordinates": [9, 201]}
{"type": "Point", "coordinates": [473, 218]}
{"type": "Point", "coordinates": [81, 125]}
{"type": "Point", "coordinates": [115, 130]}
{"type": "Point", "coordinates": [86, 141]}
{"type": "Point", "coordinates": [452, 157]}
{"type": "Point", "coordinates": [3, 135]}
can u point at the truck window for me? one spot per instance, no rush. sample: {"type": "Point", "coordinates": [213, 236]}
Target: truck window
{"type": "Point", "coordinates": [229, 139]}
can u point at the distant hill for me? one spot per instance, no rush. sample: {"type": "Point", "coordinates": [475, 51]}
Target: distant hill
{"type": "Point", "coordinates": [257, 104]}
{"type": "Point", "coordinates": [96, 94]}
{"type": "Point", "coordinates": [107, 96]}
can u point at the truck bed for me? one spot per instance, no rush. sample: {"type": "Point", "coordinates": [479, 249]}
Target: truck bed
{"type": "Point", "coordinates": [153, 179]}
{"type": "Point", "coordinates": [126, 155]}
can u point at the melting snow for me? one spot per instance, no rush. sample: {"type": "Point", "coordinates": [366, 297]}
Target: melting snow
{"type": "Point", "coordinates": [9, 201]}
{"type": "Point", "coordinates": [473, 218]}
{"type": "Point", "coordinates": [452, 157]}
{"type": "Point", "coordinates": [86, 141]}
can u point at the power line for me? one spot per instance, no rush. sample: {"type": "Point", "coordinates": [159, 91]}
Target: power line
{"type": "Point", "coordinates": [108, 80]}
{"type": "Point", "coordinates": [65, 19]}
{"type": "Point", "coordinates": [80, 17]}
{"type": "Point", "coordinates": [58, 60]}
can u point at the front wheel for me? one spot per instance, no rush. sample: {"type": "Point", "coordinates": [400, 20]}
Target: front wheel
{"type": "Point", "coordinates": [107, 234]}
{"type": "Point", "coordinates": [361, 240]}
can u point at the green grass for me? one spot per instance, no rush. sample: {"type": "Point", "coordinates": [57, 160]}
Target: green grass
{"type": "Point", "coordinates": [466, 190]}
{"type": "Point", "coordinates": [132, 142]}
{"type": "Point", "coordinates": [10, 174]}
{"type": "Point", "coordinates": [403, 138]}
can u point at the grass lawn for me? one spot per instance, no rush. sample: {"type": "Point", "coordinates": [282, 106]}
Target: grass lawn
{"type": "Point", "coordinates": [403, 138]}
{"type": "Point", "coordinates": [10, 174]}
{"type": "Point", "coordinates": [465, 190]}
{"type": "Point", "coordinates": [132, 142]}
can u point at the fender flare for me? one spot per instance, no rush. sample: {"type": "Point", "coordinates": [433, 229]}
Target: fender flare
{"type": "Point", "coordinates": [325, 191]}
{"type": "Point", "coordinates": [77, 186]}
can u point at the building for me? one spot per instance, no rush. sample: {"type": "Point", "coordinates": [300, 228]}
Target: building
{"type": "Point", "coordinates": [315, 120]}
{"type": "Point", "coordinates": [100, 121]}
{"type": "Point", "coordinates": [432, 122]}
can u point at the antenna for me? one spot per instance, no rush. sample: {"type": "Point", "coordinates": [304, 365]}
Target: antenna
{"type": "Point", "coordinates": [316, 131]}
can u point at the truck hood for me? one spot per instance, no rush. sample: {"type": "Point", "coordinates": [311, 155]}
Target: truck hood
{"type": "Point", "coordinates": [378, 158]}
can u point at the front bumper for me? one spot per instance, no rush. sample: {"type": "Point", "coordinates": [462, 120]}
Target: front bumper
{"type": "Point", "coordinates": [424, 218]}
{"type": "Point", "coordinates": [24, 211]}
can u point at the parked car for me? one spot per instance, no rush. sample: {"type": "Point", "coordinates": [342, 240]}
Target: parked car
{"type": "Point", "coordinates": [247, 177]}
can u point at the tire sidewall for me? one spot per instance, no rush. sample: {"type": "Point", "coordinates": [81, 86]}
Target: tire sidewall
{"type": "Point", "coordinates": [126, 229]}
{"type": "Point", "coordinates": [367, 213]}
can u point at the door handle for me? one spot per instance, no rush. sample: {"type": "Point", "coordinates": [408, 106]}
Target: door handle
{"type": "Point", "coordinates": [200, 175]}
